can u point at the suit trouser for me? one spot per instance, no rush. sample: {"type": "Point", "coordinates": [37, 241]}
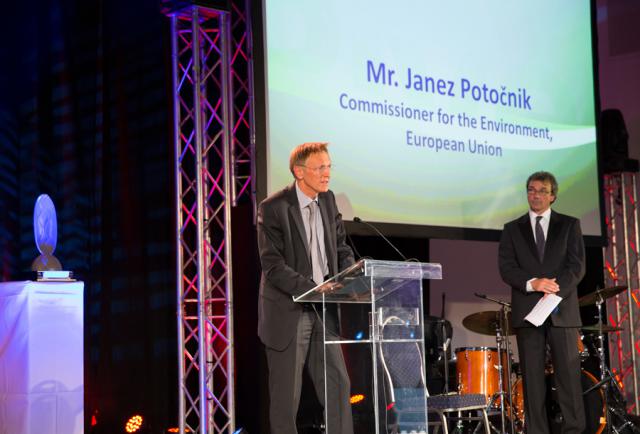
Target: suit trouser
{"type": "Point", "coordinates": [566, 365]}
{"type": "Point", "coordinates": [285, 379]}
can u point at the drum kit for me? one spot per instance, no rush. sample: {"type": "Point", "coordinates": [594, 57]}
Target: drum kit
{"type": "Point", "coordinates": [492, 372]}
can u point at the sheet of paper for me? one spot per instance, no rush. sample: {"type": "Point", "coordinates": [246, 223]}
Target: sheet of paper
{"type": "Point", "coordinates": [543, 309]}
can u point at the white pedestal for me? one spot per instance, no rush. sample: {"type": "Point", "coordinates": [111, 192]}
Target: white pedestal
{"type": "Point", "coordinates": [41, 358]}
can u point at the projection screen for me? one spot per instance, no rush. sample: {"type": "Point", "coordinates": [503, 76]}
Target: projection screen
{"type": "Point", "coordinates": [436, 112]}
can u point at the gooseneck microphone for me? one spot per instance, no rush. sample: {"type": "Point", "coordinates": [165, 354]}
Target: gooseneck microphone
{"type": "Point", "coordinates": [359, 220]}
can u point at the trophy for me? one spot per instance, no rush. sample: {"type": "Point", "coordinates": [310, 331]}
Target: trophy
{"type": "Point", "coordinates": [45, 232]}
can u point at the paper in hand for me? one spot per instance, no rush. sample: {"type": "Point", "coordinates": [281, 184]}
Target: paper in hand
{"type": "Point", "coordinates": [543, 309]}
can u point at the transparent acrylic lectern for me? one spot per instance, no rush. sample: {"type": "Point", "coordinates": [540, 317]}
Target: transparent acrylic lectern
{"type": "Point", "coordinates": [378, 306]}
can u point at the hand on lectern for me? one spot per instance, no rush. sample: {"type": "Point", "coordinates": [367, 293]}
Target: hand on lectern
{"type": "Point", "coordinates": [328, 287]}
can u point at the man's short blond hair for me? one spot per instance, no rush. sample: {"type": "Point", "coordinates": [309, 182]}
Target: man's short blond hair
{"type": "Point", "coordinates": [300, 153]}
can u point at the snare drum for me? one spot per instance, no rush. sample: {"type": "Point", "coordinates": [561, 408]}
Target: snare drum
{"type": "Point", "coordinates": [477, 371]}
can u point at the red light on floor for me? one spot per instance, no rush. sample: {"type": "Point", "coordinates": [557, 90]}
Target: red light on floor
{"type": "Point", "coordinates": [94, 421]}
{"type": "Point", "coordinates": [134, 423]}
{"type": "Point", "coordinates": [355, 399]}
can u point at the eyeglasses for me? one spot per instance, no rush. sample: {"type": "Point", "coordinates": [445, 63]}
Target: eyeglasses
{"type": "Point", "coordinates": [542, 192]}
{"type": "Point", "coordinates": [318, 169]}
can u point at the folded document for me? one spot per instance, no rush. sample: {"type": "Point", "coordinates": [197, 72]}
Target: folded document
{"type": "Point", "coordinates": [543, 309]}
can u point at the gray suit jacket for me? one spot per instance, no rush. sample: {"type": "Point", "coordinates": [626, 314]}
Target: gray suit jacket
{"type": "Point", "coordinates": [286, 266]}
{"type": "Point", "coordinates": [564, 259]}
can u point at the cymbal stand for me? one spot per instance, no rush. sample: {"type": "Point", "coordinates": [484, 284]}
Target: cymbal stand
{"type": "Point", "coordinates": [499, 342]}
{"type": "Point", "coordinates": [503, 341]}
{"type": "Point", "coordinates": [607, 378]}
{"type": "Point", "coordinates": [501, 393]}
{"type": "Point", "coordinates": [503, 324]}
{"type": "Point", "coordinates": [504, 318]}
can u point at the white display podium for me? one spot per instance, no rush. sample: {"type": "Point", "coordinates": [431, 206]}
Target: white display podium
{"type": "Point", "coordinates": [41, 358]}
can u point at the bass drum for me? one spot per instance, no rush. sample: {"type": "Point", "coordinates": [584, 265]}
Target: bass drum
{"type": "Point", "coordinates": [476, 369]}
{"type": "Point", "coordinates": [594, 407]}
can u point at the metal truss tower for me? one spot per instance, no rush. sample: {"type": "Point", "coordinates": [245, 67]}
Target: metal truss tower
{"type": "Point", "coordinates": [243, 115]}
{"type": "Point", "coordinates": [213, 139]}
{"type": "Point", "coordinates": [621, 259]}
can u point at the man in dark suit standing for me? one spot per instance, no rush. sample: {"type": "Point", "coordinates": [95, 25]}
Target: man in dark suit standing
{"type": "Point", "coordinates": [542, 253]}
{"type": "Point", "coordinates": [301, 241]}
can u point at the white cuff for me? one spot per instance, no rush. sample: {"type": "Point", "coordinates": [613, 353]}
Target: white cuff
{"type": "Point", "coordinates": [529, 287]}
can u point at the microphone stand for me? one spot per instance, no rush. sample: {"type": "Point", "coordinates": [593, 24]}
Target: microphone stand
{"type": "Point", "coordinates": [503, 324]}
{"type": "Point", "coordinates": [445, 347]}
{"type": "Point", "coordinates": [377, 231]}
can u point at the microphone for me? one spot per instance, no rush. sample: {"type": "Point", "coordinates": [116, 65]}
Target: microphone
{"type": "Point", "coordinates": [359, 220]}
{"type": "Point", "coordinates": [486, 297]}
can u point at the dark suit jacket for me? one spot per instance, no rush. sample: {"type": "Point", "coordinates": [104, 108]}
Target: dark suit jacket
{"type": "Point", "coordinates": [286, 266]}
{"type": "Point", "coordinates": [564, 259]}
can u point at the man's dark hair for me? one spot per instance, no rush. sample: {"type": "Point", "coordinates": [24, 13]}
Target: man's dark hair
{"type": "Point", "coordinates": [544, 177]}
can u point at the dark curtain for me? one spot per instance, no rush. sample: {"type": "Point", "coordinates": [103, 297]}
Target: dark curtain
{"type": "Point", "coordinates": [85, 116]}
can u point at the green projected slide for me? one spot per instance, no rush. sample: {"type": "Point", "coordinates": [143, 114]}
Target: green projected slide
{"type": "Point", "coordinates": [436, 112]}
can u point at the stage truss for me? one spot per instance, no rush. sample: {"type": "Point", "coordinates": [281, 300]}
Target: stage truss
{"type": "Point", "coordinates": [213, 138]}
{"type": "Point", "coordinates": [621, 261]}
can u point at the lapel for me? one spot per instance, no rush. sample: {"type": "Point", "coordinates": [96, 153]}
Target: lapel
{"type": "Point", "coordinates": [296, 215]}
{"type": "Point", "coordinates": [554, 228]}
{"type": "Point", "coordinates": [329, 242]}
{"type": "Point", "coordinates": [524, 223]}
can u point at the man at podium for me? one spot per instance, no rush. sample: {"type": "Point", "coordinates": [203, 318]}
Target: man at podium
{"type": "Point", "coordinates": [301, 242]}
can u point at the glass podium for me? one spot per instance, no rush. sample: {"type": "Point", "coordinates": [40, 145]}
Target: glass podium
{"type": "Point", "coordinates": [378, 308]}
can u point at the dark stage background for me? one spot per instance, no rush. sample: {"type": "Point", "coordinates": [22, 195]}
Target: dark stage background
{"type": "Point", "coordinates": [85, 116]}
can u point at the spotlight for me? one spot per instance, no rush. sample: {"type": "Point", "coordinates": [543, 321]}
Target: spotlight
{"type": "Point", "coordinates": [241, 431]}
{"type": "Point", "coordinates": [134, 424]}
{"type": "Point", "coordinates": [356, 399]}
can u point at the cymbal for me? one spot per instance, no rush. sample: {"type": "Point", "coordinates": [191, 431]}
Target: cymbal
{"type": "Point", "coordinates": [486, 322]}
{"type": "Point", "coordinates": [606, 328]}
{"type": "Point", "coordinates": [605, 293]}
